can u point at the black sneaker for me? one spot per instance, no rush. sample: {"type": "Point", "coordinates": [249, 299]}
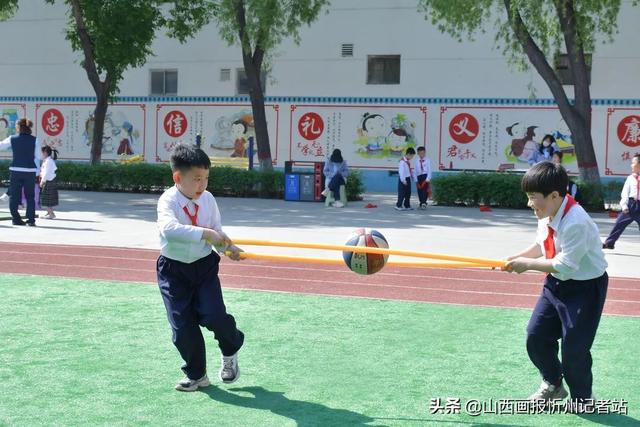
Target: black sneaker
{"type": "Point", "coordinates": [18, 222]}
{"type": "Point", "coordinates": [31, 223]}
{"type": "Point", "coordinates": [607, 246]}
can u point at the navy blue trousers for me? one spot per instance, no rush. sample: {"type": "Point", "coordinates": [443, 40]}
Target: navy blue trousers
{"type": "Point", "coordinates": [567, 310]}
{"type": "Point", "coordinates": [334, 185]}
{"type": "Point", "coordinates": [18, 182]}
{"type": "Point", "coordinates": [193, 298]}
{"type": "Point", "coordinates": [404, 194]}
{"type": "Point", "coordinates": [624, 219]}
{"type": "Point", "coordinates": [422, 188]}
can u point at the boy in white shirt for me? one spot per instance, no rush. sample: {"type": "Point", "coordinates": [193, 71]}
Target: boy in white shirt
{"type": "Point", "coordinates": [629, 202]}
{"type": "Point", "coordinates": [405, 175]}
{"type": "Point", "coordinates": [423, 177]}
{"type": "Point", "coordinates": [575, 287]}
{"type": "Point", "coordinates": [189, 223]}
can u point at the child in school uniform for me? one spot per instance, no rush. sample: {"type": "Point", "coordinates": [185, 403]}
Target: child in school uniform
{"type": "Point", "coordinates": [49, 192]}
{"type": "Point", "coordinates": [405, 174]}
{"type": "Point", "coordinates": [423, 177]}
{"type": "Point", "coordinates": [574, 290]}
{"type": "Point", "coordinates": [189, 223]}
{"type": "Point", "coordinates": [629, 202]}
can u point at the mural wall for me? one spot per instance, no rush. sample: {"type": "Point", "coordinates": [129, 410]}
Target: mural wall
{"type": "Point", "coordinates": [372, 133]}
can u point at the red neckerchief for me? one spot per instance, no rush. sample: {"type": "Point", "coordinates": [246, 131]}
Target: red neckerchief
{"type": "Point", "coordinates": [194, 217]}
{"type": "Point", "coordinates": [549, 245]}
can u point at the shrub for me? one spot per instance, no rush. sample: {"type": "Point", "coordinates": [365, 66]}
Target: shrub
{"type": "Point", "coordinates": [503, 190]}
{"type": "Point", "coordinates": [155, 178]}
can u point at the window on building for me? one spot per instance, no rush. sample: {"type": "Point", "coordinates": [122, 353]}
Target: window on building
{"type": "Point", "coordinates": [164, 82]}
{"type": "Point", "coordinates": [561, 65]}
{"type": "Point", "coordinates": [383, 69]}
{"type": "Point", "coordinates": [225, 74]}
{"type": "Point", "coordinates": [242, 82]}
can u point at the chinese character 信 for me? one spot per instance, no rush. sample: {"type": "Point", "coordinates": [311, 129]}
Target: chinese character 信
{"type": "Point", "coordinates": [174, 122]}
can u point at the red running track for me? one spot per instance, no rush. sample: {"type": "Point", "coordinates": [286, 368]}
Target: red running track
{"type": "Point", "coordinates": [436, 285]}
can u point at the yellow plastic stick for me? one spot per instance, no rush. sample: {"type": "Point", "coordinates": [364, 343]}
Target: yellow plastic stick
{"type": "Point", "coordinates": [313, 260]}
{"type": "Point", "coordinates": [362, 249]}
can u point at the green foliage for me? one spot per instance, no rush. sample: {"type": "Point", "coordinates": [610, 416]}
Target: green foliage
{"type": "Point", "coordinates": [7, 9]}
{"type": "Point", "coordinates": [465, 18]}
{"type": "Point", "coordinates": [267, 21]}
{"type": "Point", "coordinates": [590, 196]}
{"type": "Point", "coordinates": [355, 187]}
{"type": "Point", "coordinates": [471, 188]}
{"type": "Point", "coordinates": [155, 178]}
{"type": "Point", "coordinates": [121, 34]}
{"type": "Point", "coordinates": [503, 190]}
{"type": "Point", "coordinates": [122, 31]}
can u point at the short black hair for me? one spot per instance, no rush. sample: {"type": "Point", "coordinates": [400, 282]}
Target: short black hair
{"type": "Point", "coordinates": [410, 150]}
{"type": "Point", "coordinates": [421, 148]}
{"type": "Point", "coordinates": [545, 177]}
{"type": "Point", "coordinates": [636, 156]}
{"type": "Point", "coordinates": [559, 154]}
{"type": "Point", "coordinates": [187, 156]}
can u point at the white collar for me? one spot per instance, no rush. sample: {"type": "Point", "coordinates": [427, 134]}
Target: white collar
{"type": "Point", "coordinates": [184, 200]}
{"type": "Point", "coordinates": [556, 219]}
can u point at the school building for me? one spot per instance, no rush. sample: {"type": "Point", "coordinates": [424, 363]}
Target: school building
{"type": "Point", "coordinates": [371, 77]}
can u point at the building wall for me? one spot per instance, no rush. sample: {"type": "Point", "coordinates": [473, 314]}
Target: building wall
{"type": "Point", "coordinates": [39, 62]}
{"type": "Point", "coordinates": [438, 76]}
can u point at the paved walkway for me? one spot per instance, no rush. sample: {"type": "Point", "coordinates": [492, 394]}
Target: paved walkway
{"type": "Point", "coordinates": [128, 220]}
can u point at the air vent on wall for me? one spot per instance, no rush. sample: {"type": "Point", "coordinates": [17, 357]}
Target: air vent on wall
{"type": "Point", "coordinates": [347, 50]}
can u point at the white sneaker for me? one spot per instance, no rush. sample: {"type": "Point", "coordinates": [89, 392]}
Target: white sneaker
{"type": "Point", "coordinates": [4, 197]}
{"type": "Point", "coordinates": [548, 392]}
{"type": "Point", "coordinates": [325, 192]}
{"type": "Point", "coordinates": [423, 206]}
{"type": "Point", "coordinates": [187, 384]}
{"type": "Point", "coordinates": [229, 369]}
{"type": "Point", "coordinates": [338, 204]}
{"type": "Point", "coordinates": [398, 209]}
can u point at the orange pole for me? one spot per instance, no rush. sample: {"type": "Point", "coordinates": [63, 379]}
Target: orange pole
{"type": "Point", "coordinates": [313, 260]}
{"type": "Point", "coordinates": [362, 249]}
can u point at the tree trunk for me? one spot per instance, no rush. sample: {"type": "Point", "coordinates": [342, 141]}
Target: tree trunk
{"type": "Point", "coordinates": [259, 119]}
{"type": "Point", "coordinates": [252, 60]}
{"type": "Point", "coordinates": [99, 116]}
{"type": "Point", "coordinates": [578, 115]}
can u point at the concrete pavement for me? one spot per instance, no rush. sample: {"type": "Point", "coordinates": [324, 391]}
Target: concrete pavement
{"type": "Point", "coordinates": [128, 220]}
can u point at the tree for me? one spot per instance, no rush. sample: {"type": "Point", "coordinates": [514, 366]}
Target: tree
{"type": "Point", "coordinates": [114, 35]}
{"type": "Point", "coordinates": [7, 9]}
{"type": "Point", "coordinates": [532, 32]}
{"type": "Point", "coordinates": [259, 26]}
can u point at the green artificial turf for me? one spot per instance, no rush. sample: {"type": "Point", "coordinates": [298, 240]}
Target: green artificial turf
{"type": "Point", "coordinates": [83, 352]}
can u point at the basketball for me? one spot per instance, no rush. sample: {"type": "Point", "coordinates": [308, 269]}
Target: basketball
{"type": "Point", "coordinates": [362, 263]}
